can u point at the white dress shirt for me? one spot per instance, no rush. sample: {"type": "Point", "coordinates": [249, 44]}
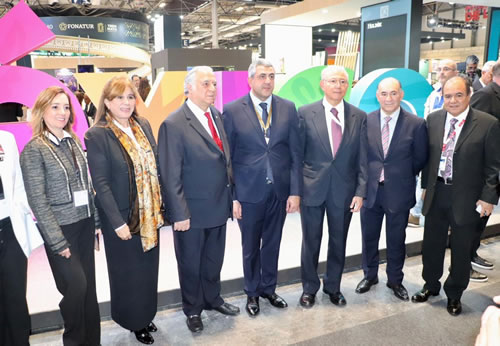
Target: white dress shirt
{"type": "Point", "coordinates": [200, 115]}
{"type": "Point", "coordinates": [329, 117]}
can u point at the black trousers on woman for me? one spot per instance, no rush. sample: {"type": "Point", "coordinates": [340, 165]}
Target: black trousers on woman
{"type": "Point", "coordinates": [75, 280]}
{"type": "Point", "coordinates": [14, 316]}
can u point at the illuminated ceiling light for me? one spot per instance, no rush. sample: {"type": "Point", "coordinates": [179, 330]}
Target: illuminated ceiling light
{"type": "Point", "coordinates": [181, 17]}
{"type": "Point", "coordinates": [432, 21]}
{"type": "Point", "coordinates": [319, 40]}
{"type": "Point", "coordinates": [450, 23]}
{"type": "Point", "coordinates": [157, 15]}
{"type": "Point", "coordinates": [239, 9]}
{"type": "Point", "coordinates": [149, 16]}
{"type": "Point", "coordinates": [442, 38]}
{"type": "Point", "coordinates": [320, 30]}
{"type": "Point", "coordinates": [451, 3]}
{"type": "Point", "coordinates": [196, 27]}
{"type": "Point", "coordinates": [333, 30]}
{"type": "Point", "coordinates": [428, 37]}
{"type": "Point", "coordinates": [162, 5]}
{"type": "Point", "coordinates": [333, 41]}
{"type": "Point", "coordinates": [483, 27]}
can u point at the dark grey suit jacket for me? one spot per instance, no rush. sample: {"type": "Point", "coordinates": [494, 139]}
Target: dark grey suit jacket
{"type": "Point", "coordinates": [487, 100]}
{"type": "Point", "coordinates": [343, 177]}
{"type": "Point", "coordinates": [476, 85]}
{"type": "Point", "coordinates": [476, 163]}
{"type": "Point", "coordinates": [196, 175]}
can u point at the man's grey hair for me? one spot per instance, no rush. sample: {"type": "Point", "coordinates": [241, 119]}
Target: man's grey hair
{"type": "Point", "coordinates": [488, 66]}
{"type": "Point", "coordinates": [190, 77]}
{"type": "Point", "coordinates": [472, 59]}
{"type": "Point", "coordinates": [258, 62]}
{"type": "Point", "coordinates": [333, 69]}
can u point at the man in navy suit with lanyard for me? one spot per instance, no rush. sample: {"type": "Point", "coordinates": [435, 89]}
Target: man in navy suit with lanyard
{"type": "Point", "coordinates": [263, 134]}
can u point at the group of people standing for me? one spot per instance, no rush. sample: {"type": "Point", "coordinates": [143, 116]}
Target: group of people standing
{"type": "Point", "coordinates": [257, 161]}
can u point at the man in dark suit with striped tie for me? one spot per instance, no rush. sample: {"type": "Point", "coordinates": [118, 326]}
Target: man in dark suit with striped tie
{"type": "Point", "coordinates": [397, 151]}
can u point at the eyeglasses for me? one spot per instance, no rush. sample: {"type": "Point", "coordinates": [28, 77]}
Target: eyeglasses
{"type": "Point", "coordinates": [341, 82]}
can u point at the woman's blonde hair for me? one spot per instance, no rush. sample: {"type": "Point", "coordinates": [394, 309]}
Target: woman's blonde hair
{"type": "Point", "coordinates": [42, 103]}
{"type": "Point", "coordinates": [116, 86]}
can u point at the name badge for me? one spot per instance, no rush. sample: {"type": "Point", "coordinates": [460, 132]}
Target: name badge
{"type": "Point", "coordinates": [81, 198]}
{"type": "Point", "coordinates": [442, 164]}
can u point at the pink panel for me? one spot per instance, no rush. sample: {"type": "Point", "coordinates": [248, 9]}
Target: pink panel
{"type": "Point", "coordinates": [22, 85]}
{"type": "Point", "coordinates": [230, 86]}
{"type": "Point", "coordinates": [21, 32]}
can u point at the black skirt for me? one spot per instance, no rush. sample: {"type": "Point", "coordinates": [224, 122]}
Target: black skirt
{"type": "Point", "coordinates": [133, 278]}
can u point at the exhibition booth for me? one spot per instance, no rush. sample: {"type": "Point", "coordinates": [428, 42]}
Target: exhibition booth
{"type": "Point", "coordinates": [388, 44]}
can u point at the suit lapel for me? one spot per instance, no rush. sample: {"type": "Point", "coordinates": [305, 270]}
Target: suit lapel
{"type": "Point", "coordinates": [437, 135]}
{"type": "Point", "coordinates": [319, 121]}
{"type": "Point", "coordinates": [348, 125]}
{"type": "Point", "coordinates": [222, 134]}
{"type": "Point", "coordinates": [249, 110]}
{"type": "Point", "coordinates": [397, 131]}
{"type": "Point", "coordinates": [275, 118]}
{"type": "Point", "coordinates": [469, 125]}
{"type": "Point", "coordinates": [195, 123]}
{"type": "Point", "coordinates": [374, 122]}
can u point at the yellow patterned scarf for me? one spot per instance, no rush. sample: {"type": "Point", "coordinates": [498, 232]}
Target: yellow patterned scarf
{"type": "Point", "coordinates": [146, 179]}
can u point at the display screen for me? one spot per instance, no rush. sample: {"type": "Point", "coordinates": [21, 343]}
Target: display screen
{"type": "Point", "coordinates": [384, 43]}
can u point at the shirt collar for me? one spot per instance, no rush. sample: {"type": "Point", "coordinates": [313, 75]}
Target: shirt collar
{"type": "Point", "coordinates": [393, 115]}
{"type": "Point", "coordinates": [54, 139]}
{"type": "Point", "coordinates": [256, 101]}
{"type": "Point", "coordinates": [328, 106]}
{"type": "Point", "coordinates": [460, 117]}
{"type": "Point", "coordinates": [195, 109]}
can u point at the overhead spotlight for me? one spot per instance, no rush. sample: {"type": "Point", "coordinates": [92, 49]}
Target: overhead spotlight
{"type": "Point", "coordinates": [162, 5]}
{"type": "Point", "coordinates": [333, 41]}
{"type": "Point", "coordinates": [196, 27]}
{"type": "Point", "coordinates": [149, 16]}
{"type": "Point", "coordinates": [428, 37]}
{"type": "Point", "coordinates": [442, 38]}
{"type": "Point", "coordinates": [320, 30]}
{"type": "Point", "coordinates": [333, 30]}
{"type": "Point", "coordinates": [319, 40]}
{"type": "Point", "coordinates": [239, 9]}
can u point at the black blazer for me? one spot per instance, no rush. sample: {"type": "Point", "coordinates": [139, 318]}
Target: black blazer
{"type": "Point", "coordinates": [476, 163]}
{"type": "Point", "coordinates": [487, 99]}
{"type": "Point", "coordinates": [476, 85]}
{"type": "Point", "coordinates": [406, 157]}
{"type": "Point", "coordinates": [110, 171]}
{"type": "Point", "coordinates": [345, 176]}
{"type": "Point", "coordinates": [249, 149]}
{"type": "Point", "coordinates": [196, 175]}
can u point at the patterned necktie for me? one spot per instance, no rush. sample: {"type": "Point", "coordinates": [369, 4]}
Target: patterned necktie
{"type": "Point", "coordinates": [215, 136]}
{"type": "Point", "coordinates": [449, 149]}
{"type": "Point", "coordinates": [336, 132]}
{"type": "Point", "coordinates": [385, 142]}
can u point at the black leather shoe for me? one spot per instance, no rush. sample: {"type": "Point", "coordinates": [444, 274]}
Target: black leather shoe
{"type": "Point", "coordinates": [194, 323]}
{"type": "Point", "coordinates": [228, 309]}
{"type": "Point", "coordinates": [307, 300]}
{"type": "Point", "coordinates": [365, 285]}
{"type": "Point", "coordinates": [151, 327]}
{"type": "Point", "coordinates": [144, 336]}
{"type": "Point", "coordinates": [399, 291]}
{"type": "Point", "coordinates": [252, 306]}
{"type": "Point", "coordinates": [422, 295]}
{"type": "Point", "coordinates": [337, 298]}
{"type": "Point", "coordinates": [454, 307]}
{"type": "Point", "coordinates": [275, 300]}
{"type": "Point", "coordinates": [482, 263]}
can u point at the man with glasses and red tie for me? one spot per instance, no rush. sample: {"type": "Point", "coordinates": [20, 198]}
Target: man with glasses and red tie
{"type": "Point", "coordinates": [334, 143]}
{"type": "Point", "coordinates": [460, 178]}
{"type": "Point", "coordinates": [263, 134]}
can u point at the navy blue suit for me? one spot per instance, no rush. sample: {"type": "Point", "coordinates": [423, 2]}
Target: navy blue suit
{"type": "Point", "coordinates": [406, 157]}
{"type": "Point", "coordinates": [263, 205]}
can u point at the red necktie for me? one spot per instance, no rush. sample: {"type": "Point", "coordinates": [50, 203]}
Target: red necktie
{"type": "Point", "coordinates": [215, 136]}
{"type": "Point", "coordinates": [336, 132]}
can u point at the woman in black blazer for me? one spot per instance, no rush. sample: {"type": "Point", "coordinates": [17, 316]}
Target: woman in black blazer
{"type": "Point", "coordinates": [122, 158]}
